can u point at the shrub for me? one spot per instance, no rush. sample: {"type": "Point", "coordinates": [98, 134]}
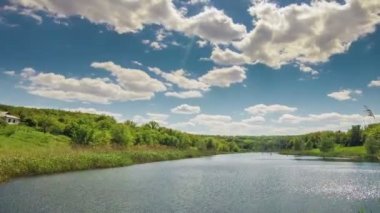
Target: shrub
{"type": "Point", "coordinates": [372, 145]}
{"type": "Point", "coordinates": [326, 144]}
{"type": "Point", "coordinates": [121, 135]}
{"type": "Point", "coordinates": [3, 123]}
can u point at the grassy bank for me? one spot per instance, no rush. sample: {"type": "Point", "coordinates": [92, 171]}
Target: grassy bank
{"type": "Point", "coordinates": [355, 153]}
{"type": "Point", "coordinates": [28, 153]}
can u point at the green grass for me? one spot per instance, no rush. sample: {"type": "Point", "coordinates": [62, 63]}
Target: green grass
{"type": "Point", "coordinates": [26, 152]}
{"type": "Point", "coordinates": [353, 153]}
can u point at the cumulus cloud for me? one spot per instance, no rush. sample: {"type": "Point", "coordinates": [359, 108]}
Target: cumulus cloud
{"type": "Point", "coordinates": [324, 117]}
{"type": "Point", "coordinates": [131, 79]}
{"type": "Point", "coordinates": [185, 94]}
{"type": "Point", "coordinates": [254, 120]}
{"type": "Point", "coordinates": [227, 57]}
{"type": "Point", "coordinates": [186, 109]}
{"type": "Point", "coordinates": [198, 2]}
{"type": "Point", "coordinates": [286, 124]}
{"type": "Point", "coordinates": [126, 16]}
{"type": "Point", "coordinates": [218, 77]}
{"type": "Point", "coordinates": [207, 119]}
{"type": "Point", "coordinates": [130, 85]}
{"type": "Point", "coordinates": [157, 117]}
{"type": "Point", "coordinates": [304, 33]}
{"type": "Point", "coordinates": [374, 83]}
{"type": "Point", "coordinates": [181, 79]}
{"type": "Point", "coordinates": [344, 95]}
{"type": "Point", "coordinates": [224, 77]}
{"type": "Point", "coordinates": [262, 109]}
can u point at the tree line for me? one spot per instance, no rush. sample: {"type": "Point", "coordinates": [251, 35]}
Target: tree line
{"type": "Point", "coordinates": [89, 129]}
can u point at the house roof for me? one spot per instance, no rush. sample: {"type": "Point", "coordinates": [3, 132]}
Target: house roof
{"type": "Point", "coordinates": [7, 115]}
{"type": "Point", "coordinates": [11, 116]}
{"type": "Point", "coordinates": [2, 114]}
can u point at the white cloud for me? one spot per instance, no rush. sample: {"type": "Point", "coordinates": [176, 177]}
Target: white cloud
{"type": "Point", "coordinates": [324, 117]}
{"type": "Point", "coordinates": [307, 69]}
{"type": "Point", "coordinates": [157, 117]}
{"type": "Point", "coordinates": [131, 79]}
{"type": "Point", "coordinates": [158, 45]}
{"type": "Point", "coordinates": [227, 57]}
{"type": "Point", "coordinates": [374, 83]}
{"type": "Point", "coordinates": [130, 85]}
{"type": "Point", "coordinates": [262, 109]}
{"type": "Point", "coordinates": [287, 124]}
{"type": "Point", "coordinates": [10, 72]}
{"type": "Point", "coordinates": [344, 95]}
{"type": "Point", "coordinates": [186, 109]}
{"type": "Point", "coordinates": [181, 79]}
{"type": "Point", "coordinates": [137, 63]}
{"type": "Point", "coordinates": [254, 120]}
{"type": "Point", "coordinates": [198, 2]}
{"type": "Point", "coordinates": [202, 43]}
{"type": "Point", "coordinates": [224, 77]}
{"type": "Point", "coordinates": [185, 94]}
{"type": "Point", "coordinates": [24, 12]}
{"type": "Point", "coordinates": [206, 119]}
{"type": "Point", "coordinates": [126, 16]}
{"type": "Point", "coordinates": [302, 33]}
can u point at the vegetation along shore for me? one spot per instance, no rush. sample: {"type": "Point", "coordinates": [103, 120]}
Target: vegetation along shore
{"type": "Point", "coordinates": [50, 141]}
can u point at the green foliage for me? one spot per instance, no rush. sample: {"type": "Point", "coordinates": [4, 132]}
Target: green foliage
{"type": "Point", "coordinates": [3, 123]}
{"type": "Point", "coordinates": [298, 144]}
{"type": "Point", "coordinates": [356, 136]}
{"type": "Point", "coordinates": [327, 144]}
{"type": "Point", "coordinates": [81, 132]}
{"type": "Point", "coordinates": [121, 135]}
{"type": "Point", "coordinates": [372, 141]}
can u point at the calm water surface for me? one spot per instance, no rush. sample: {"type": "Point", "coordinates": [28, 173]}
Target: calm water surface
{"type": "Point", "coordinates": [224, 183]}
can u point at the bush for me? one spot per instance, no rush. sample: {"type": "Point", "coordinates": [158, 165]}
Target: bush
{"type": "Point", "coordinates": [372, 145]}
{"type": "Point", "coordinates": [81, 133]}
{"type": "Point", "coordinates": [326, 144]}
{"type": "Point", "coordinates": [121, 135]}
{"type": "Point", "coordinates": [3, 123]}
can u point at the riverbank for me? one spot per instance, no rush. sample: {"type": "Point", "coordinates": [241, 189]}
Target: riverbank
{"type": "Point", "coordinates": [356, 153]}
{"type": "Point", "coordinates": [46, 154]}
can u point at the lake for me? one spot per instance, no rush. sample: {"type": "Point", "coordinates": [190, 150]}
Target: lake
{"type": "Point", "coordinates": [250, 182]}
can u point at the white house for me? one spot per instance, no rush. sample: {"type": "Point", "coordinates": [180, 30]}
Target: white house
{"type": "Point", "coordinates": [10, 119]}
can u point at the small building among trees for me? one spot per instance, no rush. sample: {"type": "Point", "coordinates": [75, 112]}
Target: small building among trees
{"type": "Point", "coordinates": [9, 119]}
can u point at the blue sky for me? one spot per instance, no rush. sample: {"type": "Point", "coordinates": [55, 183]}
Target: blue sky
{"type": "Point", "coordinates": [247, 68]}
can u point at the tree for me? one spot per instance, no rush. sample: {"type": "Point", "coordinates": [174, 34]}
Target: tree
{"type": "Point", "coordinates": [3, 123]}
{"type": "Point", "coordinates": [152, 125]}
{"type": "Point", "coordinates": [372, 142]}
{"type": "Point", "coordinates": [130, 124]}
{"type": "Point", "coordinates": [356, 136]}
{"type": "Point", "coordinates": [121, 135]}
{"type": "Point", "coordinates": [44, 123]}
{"type": "Point", "coordinates": [326, 144]}
{"type": "Point", "coordinates": [211, 144]}
{"type": "Point", "coordinates": [372, 145]}
{"type": "Point", "coordinates": [298, 145]}
{"type": "Point", "coordinates": [81, 132]}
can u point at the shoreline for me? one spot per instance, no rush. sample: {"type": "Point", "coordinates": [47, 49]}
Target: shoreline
{"type": "Point", "coordinates": [18, 166]}
{"type": "Point", "coordinates": [331, 157]}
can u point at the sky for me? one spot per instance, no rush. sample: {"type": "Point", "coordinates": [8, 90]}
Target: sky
{"type": "Point", "coordinates": [202, 66]}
